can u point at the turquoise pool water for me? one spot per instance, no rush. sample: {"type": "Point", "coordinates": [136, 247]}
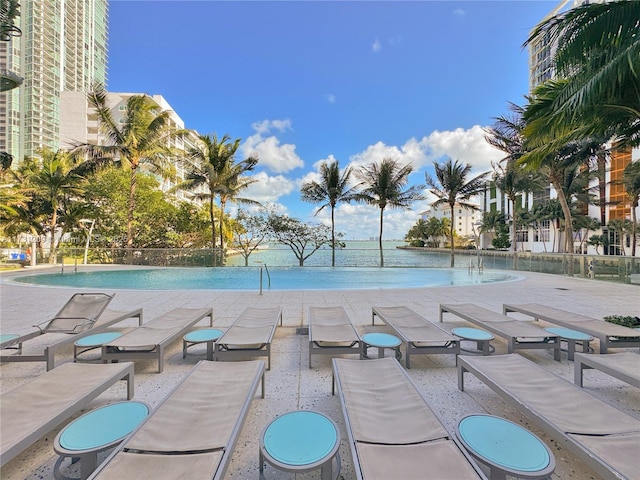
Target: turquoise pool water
{"type": "Point", "coordinates": [278, 278]}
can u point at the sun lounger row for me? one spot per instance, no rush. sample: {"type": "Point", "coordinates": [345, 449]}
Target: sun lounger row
{"type": "Point", "coordinates": [193, 432]}
{"type": "Point", "coordinates": [250, 335]}
{"type": "Point", "coordinates": [602, 436]}
{"type": "Point", "coordinates": [32, 410]}
{"type": "Point", "coordinates": [519, 334]}
{"type": "Point", "coordinates": [624, 366]}
{"type": "Point", "coordinates": [331, 332]}
{"type": "Point", "coordinates": [150, 339]}
{"type": "Point", "coordinates": [419, 335]}
{"type": "Point", "coordinates": [84, 314]}
{"type": "Point", "coordinates": [393, 433]}
{"type": "Point", "coordinates": [610, 335]}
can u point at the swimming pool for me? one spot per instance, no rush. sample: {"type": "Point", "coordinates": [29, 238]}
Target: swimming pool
{"type": "Point", "coordinates": [278, 278]}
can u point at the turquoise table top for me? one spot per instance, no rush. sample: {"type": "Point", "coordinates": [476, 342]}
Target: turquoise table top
{"type": "Point", "coordinates": [504, 443]}
{"type": "Point", "coordinates": [472, 333]}
{"type": "Point", "coordinates": [300, 438]}
{"type": "Point", "coordinates": [103, 426]}
{"type": "Point", "coordinates": [568, 333]}
{"type": "Point", "coordinates": [203, 335]}
{"type": "Point", "coordinates": [97, 339]}
{"type": "Point", "coordinates": [7, 336]}
{"type": "Point", "coordinates": [381, 340]}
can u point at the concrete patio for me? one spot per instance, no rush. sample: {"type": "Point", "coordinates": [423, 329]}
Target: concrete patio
{"type": "Point", "coordinates": [291, 385]}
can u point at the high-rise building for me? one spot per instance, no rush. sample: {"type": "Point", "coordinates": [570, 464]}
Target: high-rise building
{"type": "Point", "coordinates": [79, 124]}
{"type": "Point", "coordinates": [63, 48]}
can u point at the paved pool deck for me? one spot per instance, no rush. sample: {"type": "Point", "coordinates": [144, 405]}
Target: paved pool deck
{"type": "Point", "coordinates": [291, 385]}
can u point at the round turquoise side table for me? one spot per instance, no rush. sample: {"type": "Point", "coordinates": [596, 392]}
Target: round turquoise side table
{"type": "Point", "coordinates": [90, 342]}
{"type": "Point", "coordinates": [94, 432]}
{"type": "Point", "coordinates": [571, 337]}
{"type": "Point", "coordinates": [301, 441]}
{"type": "Point", "coordinates": [203, 335]}
{"type": "Point", "coordinates": [507, 448]}
{"type": "Point", "coordinates": [381, 341]}
{"type": "Point", "coordinates": [482, 339]}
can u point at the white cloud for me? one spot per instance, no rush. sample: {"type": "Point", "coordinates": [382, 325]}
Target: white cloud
{"type": "Point", "coordinates": [459, 12]}
{"type": "Point", "coordinates": [468, 146]}
{"type": "Point", "coordinates": [268, 189]}
{"type": "Point", "coordinates": [274, 156]}
{"type": "Point", "coordinates": [362, 221]}
{"type": "Point", "coordinates": [359, 221]}
{"type": "Point", "coordinates": [377, 46]}
{"type": "Point", "coordinates": [410, 152]}
{"type": "Point", "coordinates": [331, 98]}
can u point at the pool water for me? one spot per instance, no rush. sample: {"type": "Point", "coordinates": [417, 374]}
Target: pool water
{"type": "Point", "coordinates": [277, 278]}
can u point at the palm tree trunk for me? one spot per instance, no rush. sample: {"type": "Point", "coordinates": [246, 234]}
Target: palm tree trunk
{"type": "Point", "coordinates": [222, 205]}
{"type": "Point", "coordinates": [214, 236]}
{"type": "Point", "coordinates": [132, 205]}
{"type": "Point", "coordinates": [568, 226]}
{"type": "Point", "coordinates": [333, 238]}
{"type": "Point", "coordinates": [452, 259]}
{"type": "Point", "coordinates": [380, 239]}
{"type": "Point", "coordinates": [52, 244]}
{"type": "Point", "coordinates": [515, 233]}
{"type": "Point", "coordinates": [213, 224]}
{"type": "Point", "coordinates": [602, 186]}
{"type": "Point", "coordinates": [634, 229]}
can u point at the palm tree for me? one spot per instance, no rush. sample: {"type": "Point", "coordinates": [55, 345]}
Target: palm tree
{"type": "Point", "coordinates": [452, 187]}
{"type": "Point", "coordinates": [631, 182]}
{"type": "Point", "coordinates": [212, 167]}
{"type": "Point", "coordinates": [232, 183]}
{"type": "Point", "coordinates": [333, 188]}
{"type": "Point", "coordinates": [55, 181]}
{"type": "Point", "coordinates": [506, 135]}
{"type": "Point", "coordinates": [514, 180]}
{"type": "Point", "coordinates": [141, 138]}
{"type": "Point", "coordinates": [383, 186]}
{"type": "Point", "coordinates": [598, 49]}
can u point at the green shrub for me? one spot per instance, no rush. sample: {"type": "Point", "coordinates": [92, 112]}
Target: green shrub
{"type": "Point", "coordinates": [625, 321]}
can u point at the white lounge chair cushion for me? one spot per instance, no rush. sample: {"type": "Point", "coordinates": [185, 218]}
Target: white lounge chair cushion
{"type": "Point", "coordinates": [202, 413]}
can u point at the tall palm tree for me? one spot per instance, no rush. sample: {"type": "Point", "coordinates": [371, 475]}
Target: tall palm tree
{"type": "Point", "coordinates": [451, 185]}
{"type": "Point", "coordinates": [382, 184]}
{"type": "Point", "coordinates": [213, 174]}
{"type": "Point", "coordinates": [55, 181]}
{"type": "Point", "coordinates": [596, 60]}
{"type": "Point", "coordinates": [232, 183]}
{"type": "Point", "coordinates": [333, 188]}
{"type": "Point", "coordinates": [141, 138]}
{"type": "Point", "coordinates": [230, 191]}
{"type": "Point", "coordinates": [514, 180]}
{"type": "Point", "coordinates": [561, 154]}
{"type": "Point", "coordinates": [203, 172]}
{"type": "Point", "coordinates": [631, 182]}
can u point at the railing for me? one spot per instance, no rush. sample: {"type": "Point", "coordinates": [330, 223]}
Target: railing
{"type": "Point", "coordinates": [622, 269]}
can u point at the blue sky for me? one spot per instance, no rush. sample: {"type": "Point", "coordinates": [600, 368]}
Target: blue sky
{"type": "Point", "coordinates": [305, 81]}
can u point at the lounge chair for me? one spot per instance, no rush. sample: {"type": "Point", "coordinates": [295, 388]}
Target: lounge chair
{"type": "Point", "coordinates": [624, 366]}
{"type": "Point", "coordinates": [250, 335]}
{"type": "Point", "coordinates": [600, 435]}
{"type": "Point", "coordinates": [331, 332]}
{"type": "Point", "coordinates": [84, 314]}
{"type": "Point", "coordinates": [393, 433]}
{"type": "Point", "coordinates": [520, 335]}
{"type": "Point", "coordinates": [32, 410]}
{"type": "Point", "coordinates": [609, 334]}
{"type": "Point", "coordinates": [150, 339]}
{"type": "Point", "coordinates": [420, 336]}
{"type": "Point", "coordinates": [193, 432]}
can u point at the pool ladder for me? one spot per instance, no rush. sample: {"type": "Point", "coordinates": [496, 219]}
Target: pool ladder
{"type": "Point", "coordinates": [268, 277]}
